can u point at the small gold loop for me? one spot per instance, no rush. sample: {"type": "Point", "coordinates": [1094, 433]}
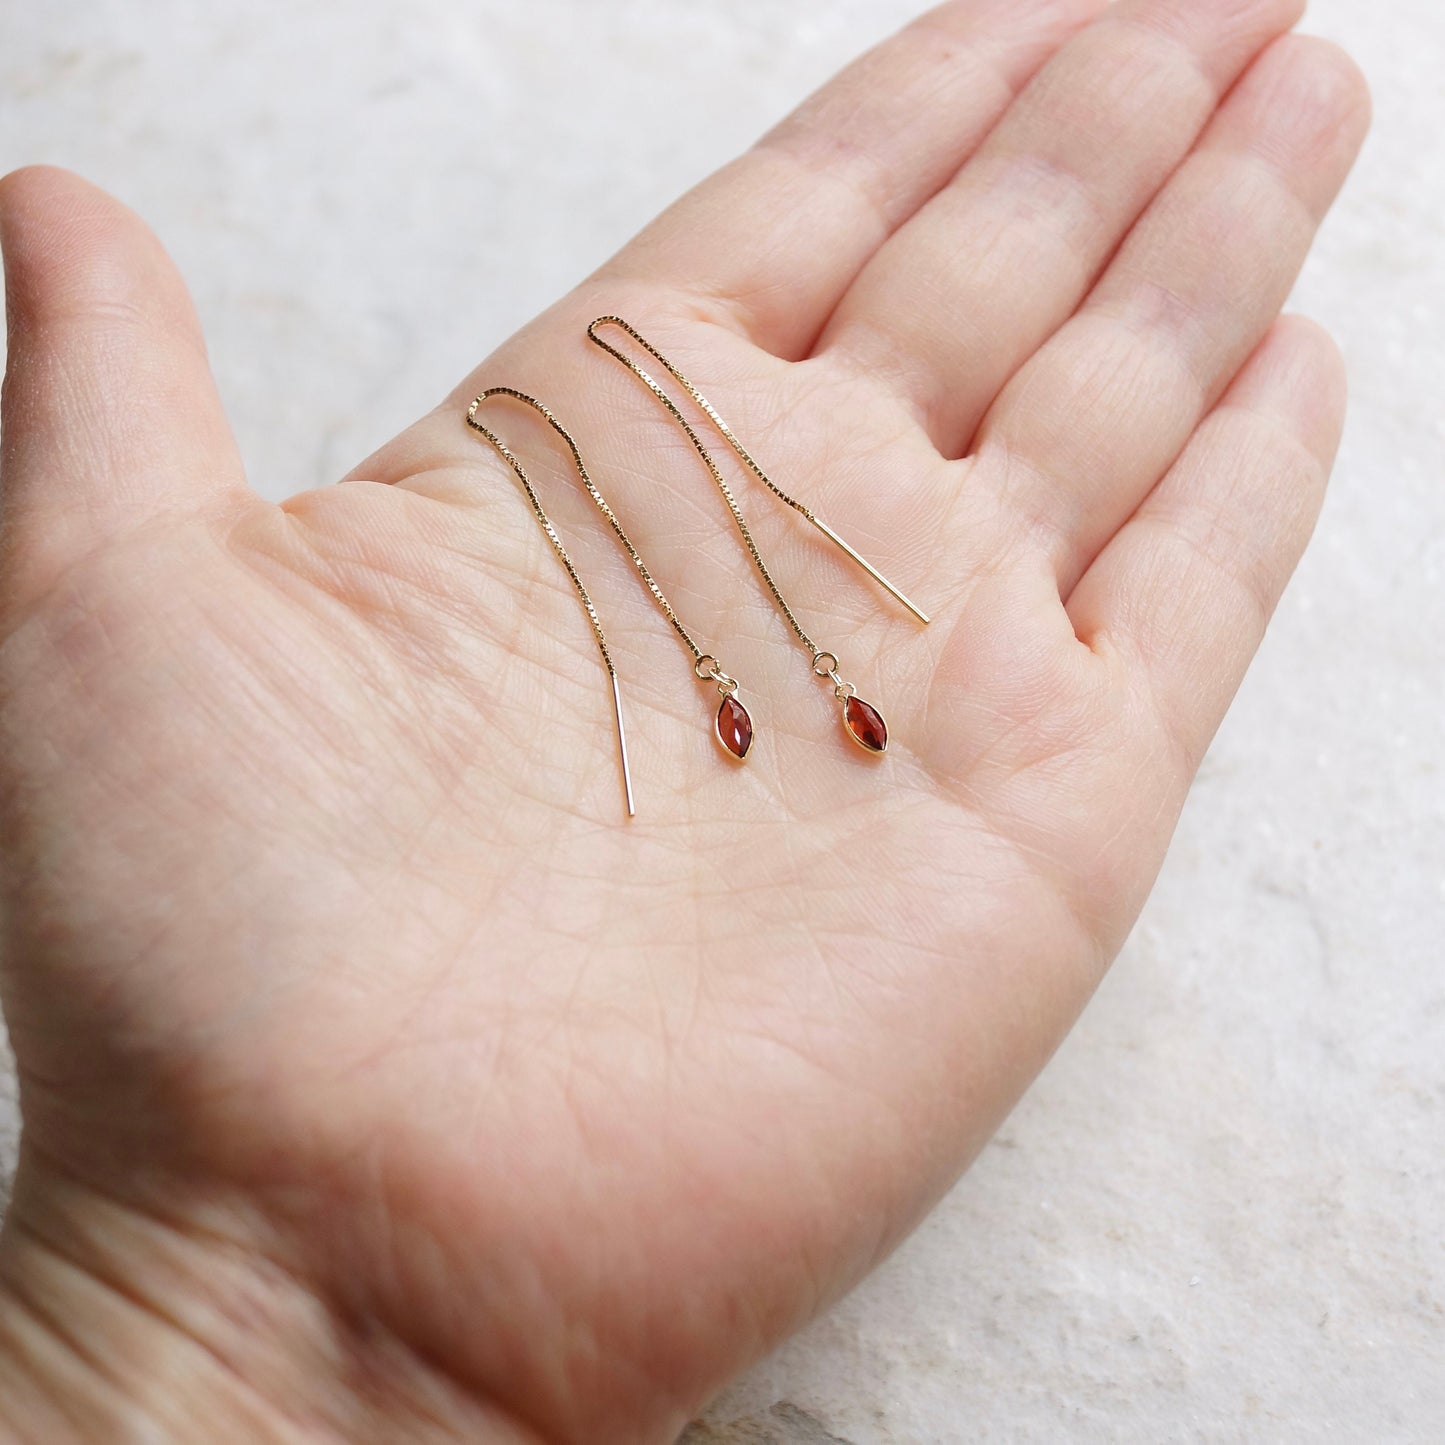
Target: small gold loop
{"type": "Point", "coordinates": [843, 690]}
{"type": "Point", "coordinates": [830, 670]}
{"type": "Point", "coordinates": [709, 669]}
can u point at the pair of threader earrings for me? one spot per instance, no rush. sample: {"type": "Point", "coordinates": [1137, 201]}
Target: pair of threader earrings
{"type": "Point", "coordinates": [862, 722]}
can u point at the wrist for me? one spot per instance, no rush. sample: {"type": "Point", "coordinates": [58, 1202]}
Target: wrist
{"type": "Point", "coordinates": [95, 1331]}
{"type": "Point", "coordinates": [117, 1325]}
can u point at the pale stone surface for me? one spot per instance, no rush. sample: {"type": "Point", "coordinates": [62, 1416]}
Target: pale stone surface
{"type": "Point", "coordinates": [1221, 1213]}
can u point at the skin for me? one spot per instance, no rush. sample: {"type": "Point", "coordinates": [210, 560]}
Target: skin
{"type": "Point", "coordinates": [380, 1079]}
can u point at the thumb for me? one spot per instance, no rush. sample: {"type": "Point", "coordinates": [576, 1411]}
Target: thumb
{"type": "Point", "coordinates": [110, 417]}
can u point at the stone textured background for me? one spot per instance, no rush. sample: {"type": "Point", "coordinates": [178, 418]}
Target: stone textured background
{"type": "Point", "coordinates": [1221, 1213]}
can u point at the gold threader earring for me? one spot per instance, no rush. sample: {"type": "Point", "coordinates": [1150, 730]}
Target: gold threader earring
{"type": "Point", "coordinates": [733, 725]}
{"type": "Point", "coordinates": [862, 721]}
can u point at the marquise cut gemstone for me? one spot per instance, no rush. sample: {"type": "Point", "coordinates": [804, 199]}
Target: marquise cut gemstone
{"type": "Point", "coordinates": [865, 723]}
{"type": "Point", "coordinates": [734, 727]}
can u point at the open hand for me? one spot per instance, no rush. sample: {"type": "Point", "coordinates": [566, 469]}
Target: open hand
{"type": "Point", "coordinates": [381, 1080]}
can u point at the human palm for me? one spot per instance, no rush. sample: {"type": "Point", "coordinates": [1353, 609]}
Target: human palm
{"type": "Point", "coordinates": [339, 983]}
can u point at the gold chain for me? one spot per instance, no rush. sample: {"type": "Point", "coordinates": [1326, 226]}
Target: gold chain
{"type": "Point", "coordinates": [706, 666]}
{"type": "Point", "coordinates": [659, 596]}
{"type": "Point", "coordinates": [545, 522]}
{"type": "Point", "coordinates": [747, 460]}
{"type": "Point", "coordinates": [702, 451]}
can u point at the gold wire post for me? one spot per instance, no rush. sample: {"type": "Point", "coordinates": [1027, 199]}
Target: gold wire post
{"type": "Point", "coordinates": [868, 567]}
{"type": "Point", "coordinates": [622, 747]}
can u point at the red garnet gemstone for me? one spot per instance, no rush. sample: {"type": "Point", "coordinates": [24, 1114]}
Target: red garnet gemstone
{"type": "Point", "coordinates": [734, 727]}
{"type": "Point", "coordinates": [865, 724]}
